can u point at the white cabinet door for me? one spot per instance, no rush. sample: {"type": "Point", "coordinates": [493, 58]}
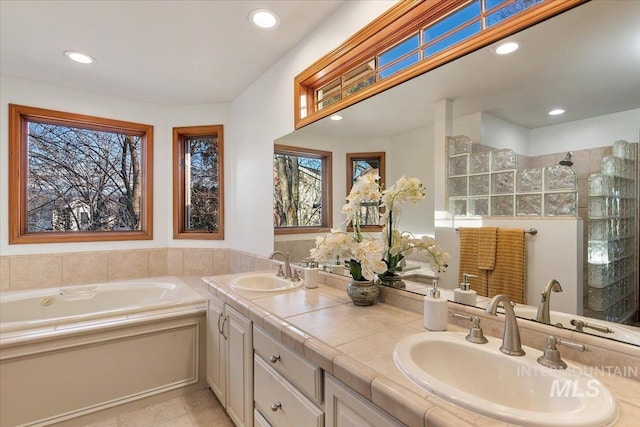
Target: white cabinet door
{"type": "Point", "coordinates": [216, 349]}
{"type": "Point", "coordinates": [346, 408]}
{"type": "Point", "coordinates": [239, 332]}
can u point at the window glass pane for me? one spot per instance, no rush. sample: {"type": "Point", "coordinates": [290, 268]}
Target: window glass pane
{"type": "Point", "coordinates": [328, 94]}
{"type": "Point", "coordinates": [490, 4]}
{"type": "Point", "coordinates": [400, 66]}
{"type": "Point", "coordinates": [453, 39]}
{"type": "Point", "coordinates": [297, 194]}
{"type": "Point", "coordinates": [369, 211]}
{"type": "Point", "coordinates": [363, 166]}
{"type": "Point", "coordinates": [452, 21]}
{"type": "Point", "coordinates": [510, 10]}
{"type": "Point", "coordinates": [82, 180]}
{"type": "Point", "coordinates": [359, 78]}
{"type": "Point", "coordinates": [202, 183]}
{"type": "Point", "coordinates": [399, 50]}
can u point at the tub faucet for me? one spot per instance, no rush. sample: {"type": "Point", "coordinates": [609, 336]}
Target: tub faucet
{"type": "Point", "coordinates": [287, 265]}
{"type": "Point", "coordinates": [543, 308]}
{"type": "Point", "coordinates": [511, 337]}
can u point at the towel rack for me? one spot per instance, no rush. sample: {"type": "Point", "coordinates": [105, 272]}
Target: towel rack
{"type": "Point", "coordinates": [531, 231]}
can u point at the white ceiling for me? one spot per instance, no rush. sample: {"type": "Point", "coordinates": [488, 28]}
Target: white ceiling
{"type": "Point", "coordinates": [586, 61]}
{"type": "Point", "coordinates": [166, 52]}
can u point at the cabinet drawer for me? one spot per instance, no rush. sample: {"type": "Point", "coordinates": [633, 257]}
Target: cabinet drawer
{"type": "Point", "coordinates": [259, 420]}
{"type": "Point", "coordinates": [279, 402]}
{"type": "Point", "coordinates": [305, 376]}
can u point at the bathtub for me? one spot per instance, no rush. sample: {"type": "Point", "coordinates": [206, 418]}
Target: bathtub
{"type": "Point", "coordinates": [68, 353]}
{"type": "Point", "coordinates": [52, 309]}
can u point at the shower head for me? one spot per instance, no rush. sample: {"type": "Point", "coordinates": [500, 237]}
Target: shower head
{"type": "Point", "coordinates": [567, 160]}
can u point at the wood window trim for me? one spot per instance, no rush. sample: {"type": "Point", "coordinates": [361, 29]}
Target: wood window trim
{"type": "Point", "coordinates": [396, 24]}
{"type": "Point", "coordinates": [378, 155]}
{"type": "Point", "coordinates": [19, 116]}
{"type": "Point", "coordinates": [179, 133]}
{"type": "Point", "coordinates": [327, 213]}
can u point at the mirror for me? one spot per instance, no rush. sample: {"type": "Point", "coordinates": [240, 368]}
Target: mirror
{"type": "Point", "coordinates": [586, 61]}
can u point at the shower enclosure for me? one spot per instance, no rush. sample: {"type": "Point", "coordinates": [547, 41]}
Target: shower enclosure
{"type": "Point", "coordinates": [613, 237]}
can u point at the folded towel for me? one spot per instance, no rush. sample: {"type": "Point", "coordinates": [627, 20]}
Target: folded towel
{"type": "Point", "coordinates": [487, 247]}
{"type": "Point", "coordinates": [508, 275]}
{"type": "Point", "coordinates": [469, 260]}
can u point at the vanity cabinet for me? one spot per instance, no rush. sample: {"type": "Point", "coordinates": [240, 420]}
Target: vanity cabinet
{"type": "Point", "coordinates": [230, 360]}
{"type": "Point", "coordinates": [287, 388]}
{"type": "Point", "coordinates": [346, 408]}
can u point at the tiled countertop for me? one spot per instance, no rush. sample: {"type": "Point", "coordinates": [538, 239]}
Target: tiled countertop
{"type": "Point", "coordinates": [355, 345]}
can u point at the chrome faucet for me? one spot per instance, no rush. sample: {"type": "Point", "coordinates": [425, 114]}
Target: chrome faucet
{"type": "Point", "coordinates": [543, 308]}
{"type": "Point", "coordinates": [511, 337]}
{"type": "Point", "coordinates": [287, 265]}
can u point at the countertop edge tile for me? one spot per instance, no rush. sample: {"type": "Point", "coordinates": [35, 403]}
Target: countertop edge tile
{"type": "Point", "coordinates": [438, 417]}
{"type": "Point", "coordinates": [320, 353]}
{"type": "Point", "coordinates": [387, 393]}
{"type": "Point", "coordinates": [355, 375]}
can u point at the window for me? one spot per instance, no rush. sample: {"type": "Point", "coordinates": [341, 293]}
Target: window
{"type": "Point", "coordinates": [198, 196]}
{"type": "Point", "coordinates": [77, 178]}
{"type": "Point", "coordinates": [410, 39]}
{"type": "Point", "coordinates": [359, 164]}
{"type": "Point", "coordinates": [301, 190]}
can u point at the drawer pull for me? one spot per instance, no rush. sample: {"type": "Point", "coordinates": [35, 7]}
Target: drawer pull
{"type": "Point", "coordinates": [276, 406]}
{"type": "Point", "coordinates": [274, 359]}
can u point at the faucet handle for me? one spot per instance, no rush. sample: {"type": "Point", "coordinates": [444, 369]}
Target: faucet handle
{"type": "Point", "coordinates": [280, 272]}
{"type": "Point", "coordinates": [296, 275]}
{"type": "Point", "coordinates": [551, 356]}
{"type": "Point", "coordinates": [475, 335]}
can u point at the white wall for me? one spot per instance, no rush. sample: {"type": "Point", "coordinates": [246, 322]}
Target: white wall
{"type": "Point", "coordinates": [264, 113]}
{"type": "Point", "coordinates": [584, 134]}
{"type": "Point", "coordinates": [499, 133]}
{"type": "Point", "coordinates": [550, 255]}
{"type": "Point", "coordinates": [261, 114]}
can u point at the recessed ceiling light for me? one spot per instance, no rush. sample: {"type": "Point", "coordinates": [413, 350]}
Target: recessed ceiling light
{"type": "Point", "coordinates": [556, 112]}
{"type": "Point", "coordinates": [336, 117]}
{"type": "Point", "coordinates": [79, 57]}
{"type": "Point", "coordinates": [506, 48]}
{"type": "Point", "coordinates": [264, 18]}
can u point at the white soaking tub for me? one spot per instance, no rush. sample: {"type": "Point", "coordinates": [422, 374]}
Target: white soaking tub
{"type": "Point", "coordinates": [69, 352]}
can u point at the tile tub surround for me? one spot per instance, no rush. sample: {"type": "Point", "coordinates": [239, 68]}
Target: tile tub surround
{"type": "Point", "coordinates": [64, 269]}
{"type": "Point", "coordinates": [312, 323]}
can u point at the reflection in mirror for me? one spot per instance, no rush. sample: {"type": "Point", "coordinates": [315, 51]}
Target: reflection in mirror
{"type": "Point", "coordinates": [502, 102]}
{"type": "Point", "coordinates": [359, 164]}
{"type": "Point", "coordinates": [301, 189]}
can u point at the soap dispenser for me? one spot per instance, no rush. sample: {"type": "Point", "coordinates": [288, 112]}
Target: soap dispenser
{"type": "Point", "coordinates": [464, 294]}
{"type": "Point", "coordinates": [436, 310]}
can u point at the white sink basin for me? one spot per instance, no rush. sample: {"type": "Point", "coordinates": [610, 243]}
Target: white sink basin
{"type": "Point", "coordinates": [264, 282]}
{"type": "Point", "coordinates": [515, 389]}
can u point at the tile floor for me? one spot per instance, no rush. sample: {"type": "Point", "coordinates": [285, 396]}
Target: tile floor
{"type": "Point", "coordinates": [196, 409]}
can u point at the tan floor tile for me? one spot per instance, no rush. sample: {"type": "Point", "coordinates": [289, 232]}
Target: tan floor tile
{"type": "Point", "coordinates": [183, 421]}
{"type": "Point", "coordinates": [154, 414]}
{"type": "Point", "coordinates": [109, 422]}
{"type": "Point", "coordinates": [215, 416]}
{"type": "Point", "coordinates": [199, 400]}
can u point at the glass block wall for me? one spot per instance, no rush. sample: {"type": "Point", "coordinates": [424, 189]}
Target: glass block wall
{"type": "Point", "coordinates": [488, 182]}
{"type": "Point", "coordinates": [612, 234]}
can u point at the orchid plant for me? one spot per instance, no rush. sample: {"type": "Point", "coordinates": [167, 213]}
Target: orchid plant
{"type": "Point", "coordinates": [367, 256]}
